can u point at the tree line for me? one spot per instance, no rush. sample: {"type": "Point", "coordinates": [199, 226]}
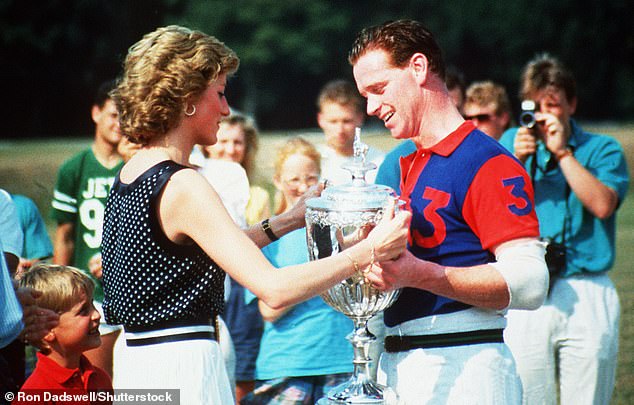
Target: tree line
{"type": "Point", "coordinates": [54, 54]}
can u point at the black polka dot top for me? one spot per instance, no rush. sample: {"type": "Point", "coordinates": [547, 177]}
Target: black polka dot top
{"type": "Point", "coordinates": [148, 280]}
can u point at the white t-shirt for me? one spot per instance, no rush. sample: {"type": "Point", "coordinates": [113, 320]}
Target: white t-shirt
{"type": "Point", "coordinates": [232, 185]}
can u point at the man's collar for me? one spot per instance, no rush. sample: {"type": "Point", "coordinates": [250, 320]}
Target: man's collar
{"type": "Point", "coordinates": [448, 144]}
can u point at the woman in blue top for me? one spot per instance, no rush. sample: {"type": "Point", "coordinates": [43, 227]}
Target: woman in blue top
{"type": "Point", "coordinates": [303, 353]}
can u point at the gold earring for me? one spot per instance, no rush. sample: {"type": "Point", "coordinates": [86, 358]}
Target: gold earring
{"type": "Point", "coordinates": [189, 114]}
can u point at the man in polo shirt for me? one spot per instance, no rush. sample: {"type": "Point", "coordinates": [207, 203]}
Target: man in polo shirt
{"type": "Point", "coordinates": [473, 251]}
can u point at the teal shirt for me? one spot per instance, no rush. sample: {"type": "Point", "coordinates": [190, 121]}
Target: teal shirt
{"type": "Point", "coordinates": [308, 340]}
{"type": "Point", "coordinates": [590, 241]}
{"type": "Point", "coordinates": [37, 244]}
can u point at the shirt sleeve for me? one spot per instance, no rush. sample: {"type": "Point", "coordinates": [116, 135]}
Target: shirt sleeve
{"type": "Point", "coordinates": [10, 229]}
{"type": "Point", "coordinates": [500, 203]}
{"type": "Point", "coordinates": [610, 167]}
{"type": "Point", "coordinates": [10, 310]}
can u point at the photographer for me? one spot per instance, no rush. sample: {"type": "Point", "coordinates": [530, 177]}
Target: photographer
{"type": "Point", "coordinates": [580, 180]}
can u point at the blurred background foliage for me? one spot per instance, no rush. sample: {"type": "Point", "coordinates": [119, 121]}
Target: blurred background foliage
{"type": "Point", "coordinates": [53, 54]}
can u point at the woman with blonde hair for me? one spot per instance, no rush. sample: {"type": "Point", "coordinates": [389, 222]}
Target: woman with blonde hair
{"type": "Point", "coordinates": [168, 240]}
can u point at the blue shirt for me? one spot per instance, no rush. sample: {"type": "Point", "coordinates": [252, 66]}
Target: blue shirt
{"type": "Point", "coordinates": [10, 310]}
{"type": "Point", "coordinates": [37, 244]}
{"type": "Point", "coordinates": [309, 339]}
{"type": "Point", "coordinates": [590, 241]}
{"type": "Point", "coordinates": [390, 170]}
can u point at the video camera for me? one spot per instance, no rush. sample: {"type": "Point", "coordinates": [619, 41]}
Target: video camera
{"type": "Point", "coordinates": [527, 116]}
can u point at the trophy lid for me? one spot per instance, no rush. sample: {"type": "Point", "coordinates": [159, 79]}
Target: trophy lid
{"type": "Point", "coordinates": [356, 194]}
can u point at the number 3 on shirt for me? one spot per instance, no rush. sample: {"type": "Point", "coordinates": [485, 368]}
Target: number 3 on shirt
{"type": "Point", "coordinates": [517, 185]}
{"type": "Point", "coordinates": [437, 200]}
{"type": "Point", "coordinates": [440, 199]}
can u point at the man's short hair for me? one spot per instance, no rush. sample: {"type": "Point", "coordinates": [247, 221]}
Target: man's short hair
{"type": "Point", "coordinates": [400, 40]}
{"type": "Point", "coordinates": [488, 92]}
{"type": "Point", "coordinates": [546, 71]}
{"type": "Point", "coordinates": [103, 93]}
{"type": "Point", "coordinates": [340, 92]}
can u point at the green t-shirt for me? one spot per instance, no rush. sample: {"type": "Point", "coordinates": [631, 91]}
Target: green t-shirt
{"type": "Point", "coordinates": [80, 196]}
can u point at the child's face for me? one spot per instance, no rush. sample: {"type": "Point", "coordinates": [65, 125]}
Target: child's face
{"type": "Point", "coordinates": [297, 174]}
{"type": "Point", "coordinates": [78, 328]}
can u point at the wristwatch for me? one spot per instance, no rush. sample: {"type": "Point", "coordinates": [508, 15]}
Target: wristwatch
{"type": "Point", "coordinates": [564, 153]}
{"type": "Point", "coordinates": [266, 227]}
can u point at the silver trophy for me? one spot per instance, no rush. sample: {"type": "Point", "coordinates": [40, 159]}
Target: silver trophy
{"type": "Point", "coordinates": [342, 216]}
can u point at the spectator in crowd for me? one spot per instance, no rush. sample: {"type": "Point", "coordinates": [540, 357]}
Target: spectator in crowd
{"type": "Point", "coordinates": [62, 367]}
{"type": "Point", "coordinates": [488, 106]}
{"type": "Point", "coordinates": [473, 250]}
{"type": "Point", "coordinates": [11, 314]}
{"type": "Point", "coordinates": [12, 239]}
{"type": "Point", "coordinates": [304, 351]}
{"type": "Point", "coordinates": [389, 173]}
{"type": "Point", "coordinates": [238, 142]}
{"type": "Point", "coordinates": [339, 112]}
{"type": "Point", "coordinates": [569, 346]}
{"type": "Point", "coordinates": [165, 224]}
{"type": "Point", "coordinates": [37, 244]}
{"type": "Point", "coordinates": [78, 205]}
{"type": "Point", "coordinates": [10, 327]}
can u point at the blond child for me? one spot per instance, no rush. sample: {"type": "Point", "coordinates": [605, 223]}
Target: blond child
{"type": "Point", "coordinates": [61, 366]}
{"type": "Point", "coordinates": [304, 352]}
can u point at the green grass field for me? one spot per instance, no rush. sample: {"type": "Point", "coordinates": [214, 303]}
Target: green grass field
{"type": "Point", "coordinates": [28, 167]}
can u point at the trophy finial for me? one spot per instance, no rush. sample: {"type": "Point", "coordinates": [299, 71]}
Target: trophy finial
{"type": "Point", "coordinates": [358, 166]}
{"type": "Point", "coordinates": [360, 149]}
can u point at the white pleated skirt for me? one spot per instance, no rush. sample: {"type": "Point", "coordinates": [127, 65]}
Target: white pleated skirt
{"type": "Point", "coordinates": [194, 367]}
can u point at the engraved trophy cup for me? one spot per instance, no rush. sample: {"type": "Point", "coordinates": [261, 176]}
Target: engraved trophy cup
{"type": "Point", "coordinates": [341, 214]}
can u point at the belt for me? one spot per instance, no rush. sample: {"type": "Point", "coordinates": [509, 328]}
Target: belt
{"type": "Point", "coordinates": [170, 324]}
{"type": "Point", "coordinates": [179, 337]}
{"type": "Point", "coordinates": [143, 336]}
{"type": "Point", "coordinates": [394, 344]}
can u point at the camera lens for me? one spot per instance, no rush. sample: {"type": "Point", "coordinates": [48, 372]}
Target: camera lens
{"type": "Point", "coordinates": [527, 119]}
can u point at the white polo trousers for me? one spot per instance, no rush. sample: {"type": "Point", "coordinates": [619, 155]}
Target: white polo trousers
{"type": "Point", "coordinates": [573, 338]}
{"type": "Point", "coordinates": [482, 374]}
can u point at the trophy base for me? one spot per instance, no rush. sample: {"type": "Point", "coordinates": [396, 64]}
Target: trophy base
{"type": "Point", "coordinates": [359, 392]}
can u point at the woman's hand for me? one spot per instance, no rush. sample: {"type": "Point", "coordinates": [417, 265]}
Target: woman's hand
{"type": "Point", "coordinates": [389, 237]}
{"type": "Point", "coordinates": [298, 211]}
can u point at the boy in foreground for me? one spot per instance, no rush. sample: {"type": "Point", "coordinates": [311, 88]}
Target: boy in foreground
{"type": "Point", "coordinates": [61, 366]}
